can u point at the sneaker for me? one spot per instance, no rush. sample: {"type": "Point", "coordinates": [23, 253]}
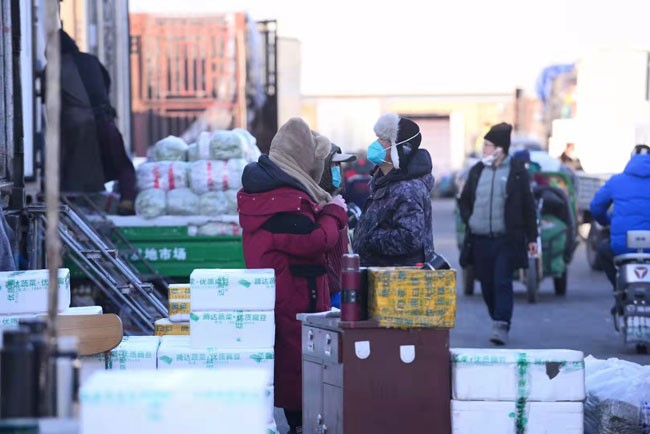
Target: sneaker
{"type": "Point", "coordinates": [499, 333]}
{"type": "Point", "coordinates": [296, 430]}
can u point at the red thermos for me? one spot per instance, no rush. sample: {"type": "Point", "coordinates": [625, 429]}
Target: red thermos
{"type": "Point", "coordinates": [352, 290]}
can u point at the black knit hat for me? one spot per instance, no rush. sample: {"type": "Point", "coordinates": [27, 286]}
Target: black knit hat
{"type": "Point", "coordinates": [499, 134]}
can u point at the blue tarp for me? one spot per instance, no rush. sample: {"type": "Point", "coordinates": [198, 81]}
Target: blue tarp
{"type": "Point", "coordinates": [545, 79]}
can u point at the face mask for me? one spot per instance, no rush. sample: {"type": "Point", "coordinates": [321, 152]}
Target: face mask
{"type": "Point", "coordinates": [336, 176]}
{"type": "Point", "coordinates": [376, 153]}
{"type": "Point", "coordinates": [489, 160]}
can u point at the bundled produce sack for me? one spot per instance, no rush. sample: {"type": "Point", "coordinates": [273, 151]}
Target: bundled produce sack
{"type": "Point", "coordinates": [151, 203]}
{"type": "Point", "coordinates": [171, 148]}
{"type": "Point", "coordinates": [225, 145]}
{"type": "Point", "coordinates": [163, 175]}
{"type": "Point", "coordinates": [212, 175]}
{"type": "Point", "coordinates": [618, 397]}
{"type": "Point", "coordinates": [201, 149]}
{"type": "Point", "coordinates": [182, 201]}
{"type": "Point", "coordinates": [251, 152]}
{"type": "Point", "coordinates": [218, 203]}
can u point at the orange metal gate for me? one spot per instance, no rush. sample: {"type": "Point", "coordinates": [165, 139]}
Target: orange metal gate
{"type": "Point", "coordinates": [184, 68]}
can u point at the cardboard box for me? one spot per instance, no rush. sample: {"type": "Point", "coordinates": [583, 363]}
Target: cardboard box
{"type": "Point", "coordinates": [488, 417]}
{"type": "Point", "coordinates": [199, 401]}
{"type": "Point", "coordinates": [507, 375]}
{"type": "Point", "coordinates": [134, 352]}
{"type": "Point", "coordinates": [223, 289]}
{"type": "Point", "coordinates": [175, 352]}
{"type": "Point", "coordinates": [164, 327]}
{"type": "Point", "coordinates": [27, 291]}
{"type": "Point", "coordinates": [83, 310]}
{"type": "Point", "coordinates": [179, 302]}
{"type": "Point", "coordinates": [407, 297]}
{"type": "Point", "coordinates": [232, 329]}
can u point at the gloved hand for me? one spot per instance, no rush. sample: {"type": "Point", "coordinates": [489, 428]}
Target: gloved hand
{"type": "Point", "coordinates": [339, 201]}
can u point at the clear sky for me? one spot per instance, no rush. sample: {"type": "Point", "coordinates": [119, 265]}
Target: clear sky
{"type": "Point", "coordinates": [434, 46]}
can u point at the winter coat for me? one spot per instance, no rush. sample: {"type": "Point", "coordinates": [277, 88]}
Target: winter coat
{"type": "Point", "coordinates": [285, 229]}
{"type": "Point", "coordinates": [629, 192]}
{"type": "Point", "coordinates": [520, 212]}
{"type": "Point", "coordinates": [81, 164]}
{"type": "Point", "coordinates": [395, 228]}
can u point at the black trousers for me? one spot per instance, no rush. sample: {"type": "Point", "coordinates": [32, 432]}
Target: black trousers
{"type": "Point", "coordinates": [493, 268]}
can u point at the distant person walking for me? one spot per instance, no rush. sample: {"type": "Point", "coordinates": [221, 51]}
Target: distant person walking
{"type": "Point", "coordinates": [569, 158]}
{"type": "Point", "coordinates": [498, 208]}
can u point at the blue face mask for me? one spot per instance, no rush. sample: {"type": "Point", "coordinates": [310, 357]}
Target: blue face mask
{"type": "Point", "coordinates": [336, 176]}
{"type": "Point", "coordinates": [376, 153]}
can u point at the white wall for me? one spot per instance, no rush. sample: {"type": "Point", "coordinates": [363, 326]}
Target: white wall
{"type": "Point", "coordinates": [611, 102]}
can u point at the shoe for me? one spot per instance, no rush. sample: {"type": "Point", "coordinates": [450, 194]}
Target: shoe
{"type": "Point", "coordinates": [296, 430]}
{"type": "Point", "coordinates": [499, 333]}
{"type": "Point", "coordinates": [126, 207]}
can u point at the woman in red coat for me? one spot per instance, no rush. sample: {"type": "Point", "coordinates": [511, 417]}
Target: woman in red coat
{"type": "Point", "coordinates": [289, 224]}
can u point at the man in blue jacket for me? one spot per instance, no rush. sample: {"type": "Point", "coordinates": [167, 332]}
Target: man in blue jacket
{"type": "Point", "coordinates": [629, 193]}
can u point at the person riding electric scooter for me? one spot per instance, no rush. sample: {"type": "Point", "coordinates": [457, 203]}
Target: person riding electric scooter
{"type": "Point", "coordinates": [628, 194]}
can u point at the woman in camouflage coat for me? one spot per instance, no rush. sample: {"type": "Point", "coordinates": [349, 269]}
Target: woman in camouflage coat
{"type": "Point", "coordinates": [395, 227]}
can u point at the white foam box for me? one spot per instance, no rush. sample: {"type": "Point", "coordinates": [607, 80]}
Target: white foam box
{"type": "Point", "coordinates": [27, 291]}
{"type": "Point", "coordinates": [164, 326]}
{"type": "Point", "coordinates": [8, 322]}
{"type": "Point", "coordinates": [83, 310]}
{"type": "Point", "coordinates": [90, 365]}
{"type": "Point", "coordinates": [179, 302]}
{"type": "Point", "coordinates": [232, 329]}
{"type": "Point", "coordinates": [492, 417]}
{"type": "Point", "coordinates": [175, 352]}
{"type": "Point", "coordinates": [479, 374]}
{"type": "Point", "coordinates": [134, 352]}
{"type": "Point", "coordinates": [175, 401]}
{"type": "Point", "coordinates": [222, 289]}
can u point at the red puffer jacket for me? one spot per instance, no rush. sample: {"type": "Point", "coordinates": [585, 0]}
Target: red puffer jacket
{"type": "Point", "coordinates": [285, 230]}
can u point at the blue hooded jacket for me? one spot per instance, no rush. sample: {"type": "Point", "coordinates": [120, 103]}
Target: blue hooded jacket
{"type": "Point", "coordinates": [629, 192]}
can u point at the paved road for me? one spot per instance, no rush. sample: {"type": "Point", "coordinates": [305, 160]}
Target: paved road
{"type": "Point", "coordinates": [579, 321]}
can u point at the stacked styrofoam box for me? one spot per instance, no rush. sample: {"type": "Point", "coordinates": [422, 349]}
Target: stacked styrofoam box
{"type": "Point", "coordinates": [134, 353]}
{"type": "Point", "coordinates": [232, 308]}
{"type": "Point", "coordinates": [175, 401]}
{"type": "Point", "coordinates": [232, 315]}
{"type": "Point", "coordinates": [24, 294]}
{"type": "Point", "coordinates": [507, 391]}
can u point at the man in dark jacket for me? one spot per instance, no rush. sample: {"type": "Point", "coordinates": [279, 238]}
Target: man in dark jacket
{"type": "Point", "coordinates": [395, 228]}
{"type": "Point", "coordinates": [331, 182]}
{"type": "Point", "coordinates": [115, 164]}
{"type": "Point", "coordinates": [498, 208]}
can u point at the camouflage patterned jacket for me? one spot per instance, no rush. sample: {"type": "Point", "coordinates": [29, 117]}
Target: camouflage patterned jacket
{"type": "Point", "coordinates": [396, 225]}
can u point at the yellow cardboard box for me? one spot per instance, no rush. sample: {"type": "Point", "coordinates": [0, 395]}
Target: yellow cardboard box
{"type": "Point", "coordinates": [179, 302]}
{"type": "Point", "coordinates": [408, 297]}
{"type": "Point", "coordinates": [166, 327]}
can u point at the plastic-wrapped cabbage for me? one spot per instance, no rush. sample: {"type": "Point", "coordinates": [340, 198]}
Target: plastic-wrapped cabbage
{"type": "Point", "coordinates": [213, 229]}
{"type": "Point", "coordinates": [252, 152]}
{"type": "Point", "coordinates": [201, 149]}
{"type": "Point", "coordinates": [171, 148]}
{"type": "Point", "coordinates": [214, 175]}
{"type": "Point", "coordinates": [182, 201]}
{"type": "Point", "coordinates": [225, 145]}
{"type": "Point", "coordinates": [164, 175]}
{"type": "Point", "coordinates": [151, 203]}
{"type": "Point", "coordinates": [218, 203]}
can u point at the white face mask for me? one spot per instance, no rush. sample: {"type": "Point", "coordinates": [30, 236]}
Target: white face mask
{"type": "Point", "coordinates": [490, 159]}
